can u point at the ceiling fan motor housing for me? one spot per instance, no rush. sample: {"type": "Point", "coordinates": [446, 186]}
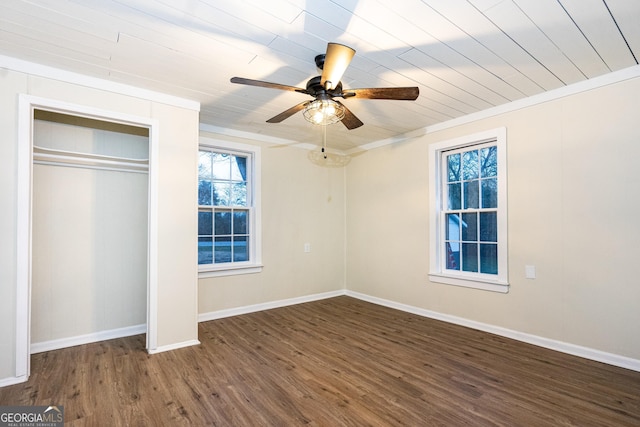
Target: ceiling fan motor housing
{"type": "Point", "coordinates": [315, 88]}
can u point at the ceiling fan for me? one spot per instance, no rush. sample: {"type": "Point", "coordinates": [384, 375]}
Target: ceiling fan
{"type": "Point", "coordinates": [324, 109]}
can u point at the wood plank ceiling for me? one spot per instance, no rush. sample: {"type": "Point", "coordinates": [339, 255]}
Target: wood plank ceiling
{"type": "Point", "coordinates": [464, 55]}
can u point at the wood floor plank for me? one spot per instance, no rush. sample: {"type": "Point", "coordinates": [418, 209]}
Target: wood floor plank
{"type": "Point", "coordinates": [335, 362]}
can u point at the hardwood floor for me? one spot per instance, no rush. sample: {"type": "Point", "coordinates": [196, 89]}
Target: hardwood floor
{"type": "Point", "coordinates": [335, 362]}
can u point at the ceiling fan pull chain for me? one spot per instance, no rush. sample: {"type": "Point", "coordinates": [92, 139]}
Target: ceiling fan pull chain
{"type": "Point", "coordinates": [324, 140]}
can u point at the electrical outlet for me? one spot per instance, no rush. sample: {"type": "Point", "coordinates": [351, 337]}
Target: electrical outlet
{"type": "Point", "coordinates": [307, 247]}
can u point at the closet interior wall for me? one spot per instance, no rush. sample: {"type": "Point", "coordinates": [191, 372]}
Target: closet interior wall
{"type": "Point", "coordinates": [89, 229]}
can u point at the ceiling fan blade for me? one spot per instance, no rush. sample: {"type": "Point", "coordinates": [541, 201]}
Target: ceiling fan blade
{"type": "Point", "coordinates": [288, 113]}
{"type": "Point", "coordinates": [399, 93]}
{"type": "Point", "coordinates": [260, 83]}
{"type": "Point", "coordinates": [336, 61]}
{"type": "Point", "coordinates": [350, 120]}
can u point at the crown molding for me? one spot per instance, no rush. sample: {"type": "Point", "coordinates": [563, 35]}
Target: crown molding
{"type": "Point", "coordinates": [83, 80]}
{"type": "Point", "coordinates": [552, 95]}
{"type": "Point", "coordinates": [46, 71]}
{"type": "Point", "coordinates": [255, 136]}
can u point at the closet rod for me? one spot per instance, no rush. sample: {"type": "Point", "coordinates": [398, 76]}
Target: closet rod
{"type": "Point", "coordinates": [55, 157]}
{"type": "Point", "coordinates": [85, 166]}
{"type": "Point", "coordinates": [80, 155]}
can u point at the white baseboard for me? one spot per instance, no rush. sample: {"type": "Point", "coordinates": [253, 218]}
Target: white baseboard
{"type": "Point", "coordinates": [175, 346]}
{"type": "Point", "coordinates": [576, 350]}
{"type": "Point", "coordinates": [220, 314]}
{"type": "Point", "coordinates": [4, 382]}
{"type": "Point", "coordinates": [39, 347]}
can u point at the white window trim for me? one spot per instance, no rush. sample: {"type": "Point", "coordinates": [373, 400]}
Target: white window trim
{"type": "Point", "coordinates": [255, 224]}
{"type": "Point", "coordinates": [437, 273]}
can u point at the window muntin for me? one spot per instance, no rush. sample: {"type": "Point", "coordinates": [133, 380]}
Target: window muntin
{"type": "Point", "coordinates": [226, 209]}
{"type": "Point", "coordinates": [468, 200]}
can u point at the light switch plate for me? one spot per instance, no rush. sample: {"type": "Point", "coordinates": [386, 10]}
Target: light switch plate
{"type": "Point", "coordinates": [530, 271]}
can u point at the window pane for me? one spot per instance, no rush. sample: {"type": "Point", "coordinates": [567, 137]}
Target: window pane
{"type": "Point", "coordinates": [240, 249]}
{"type": "Point", "coordinates": [239, 168]}
{"type": "Point", "coordinates": [239, 194]}
{"type": "Point", "coordinates": [222, 221]}
{"type": "Point", "coordinates": [453, 167]}
{"type": "Point", "coordinates": [205, 223]}
{"type": "Point", "coordinates": [453, 256]}
{"type": "Point", "coordinates": [240, 222]}
{"type": "Point", "coordinates": [221, 168]}
{"type": "Point", "coordinates": [223, 249]}
{"type": "Point", "coordinates": [470, 165]}
{"type": "Point", "coordinates": [204, 164]}
{"type": "Point", "coordinates": [471, 195]}
{"type": "Point", "coordinates": [470, 227]}
{"type": "Point", "coordinates": [468, 199]}
{"type": "Point", "coordinates": [454, 196]}
{"type": "Point", "coordinates": [204, 193]}
{"type": "Point", "coordinates": [221, 194]}
{"type": "Point", "coordinates": [224, 199]}
{"type": "Point", "coordinates": [488, 227]}
{"type": "Point", "coordinates": [470, 257]}
{"type": "Point", "coordinates": [490, 193]}
{"type": "Point", "coordinates": [205, 250]}
{"type": "Point", "coordinates": [453, 227]}
{"type": "Point", "coordinates": [489, 258]}
{"type": "Point", "coordinates": [489, 162]}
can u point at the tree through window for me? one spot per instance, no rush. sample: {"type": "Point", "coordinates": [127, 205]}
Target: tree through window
{"type": "Point", "coordinates": [471, 210]}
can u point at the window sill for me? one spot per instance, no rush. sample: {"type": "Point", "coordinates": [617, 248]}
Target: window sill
{"type": "Point", "coordinates": [206, 272]}
{"type": "Point", "coordinates": [486, 285]}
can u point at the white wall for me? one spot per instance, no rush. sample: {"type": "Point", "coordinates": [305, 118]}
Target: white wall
{"type": "Point", "coordinates": [574, 198]}
{"type": "Point", "coordinates": [177, 160]}
{"type": "Point", "coordinates": [301, 203]}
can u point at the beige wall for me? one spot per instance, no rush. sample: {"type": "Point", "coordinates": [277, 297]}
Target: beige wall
{"type": "Point", "coordinates": [177, 225]}
{"type": "Point", "coordinates": [573, 198]}
{"type": "Point", "coordinates": [301, 203]}
{"type": "Point", "coordinates": [177, 275]}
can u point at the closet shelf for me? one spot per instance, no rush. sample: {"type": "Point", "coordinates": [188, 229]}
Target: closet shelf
{"type": "Point", "coordinates": [50, 156]}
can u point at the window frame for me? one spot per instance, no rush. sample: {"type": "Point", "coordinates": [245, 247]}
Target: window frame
{"type": "Point", "coordinates": [437, 222]}
{"type": "Point", "coordinates": [253, 154]}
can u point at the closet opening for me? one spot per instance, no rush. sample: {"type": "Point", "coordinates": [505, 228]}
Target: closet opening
{"type": "Point", "coordinates": [89, 230]}
{"type": "Point", "coordinates": [87, 227]}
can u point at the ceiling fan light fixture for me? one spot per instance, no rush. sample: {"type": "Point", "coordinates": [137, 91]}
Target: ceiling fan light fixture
{"type": "Point", "coordinates": [324, 111]}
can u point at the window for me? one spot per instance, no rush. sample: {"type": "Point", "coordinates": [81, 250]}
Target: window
{"type": "Point", "coordinates": [228, 209]}
{"type": "Point", "coordinates": [469, 211]}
